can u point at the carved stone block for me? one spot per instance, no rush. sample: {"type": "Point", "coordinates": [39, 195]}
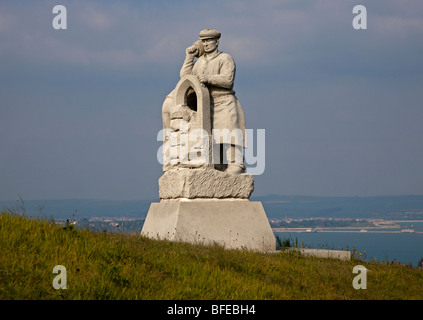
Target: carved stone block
{"type": "Point", "coordinates": [204, 183]}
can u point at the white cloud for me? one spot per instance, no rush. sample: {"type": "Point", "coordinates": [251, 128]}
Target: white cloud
{"type": "Point", "coordinates": [258, 32]}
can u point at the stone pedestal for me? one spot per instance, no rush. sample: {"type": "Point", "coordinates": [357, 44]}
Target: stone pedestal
{"type": "Point", "coordinates": [233, 223]}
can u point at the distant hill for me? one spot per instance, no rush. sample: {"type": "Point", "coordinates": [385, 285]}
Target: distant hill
{"type": "Point", "coordinates": [276, 206]}
{"type": "Point", "coordinates": [388, 207]}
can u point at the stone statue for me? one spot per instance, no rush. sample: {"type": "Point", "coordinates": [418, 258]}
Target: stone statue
{"type": "Point", "coordinates": [204, 191]}
{"type": "Point", "coordinates": [216, 70]}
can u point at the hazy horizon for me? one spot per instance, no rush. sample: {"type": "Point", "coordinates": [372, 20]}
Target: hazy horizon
{"type": "Point", "coordinates": [252, 197]}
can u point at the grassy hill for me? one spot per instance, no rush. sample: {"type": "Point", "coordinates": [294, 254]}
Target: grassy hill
{"type": "Point", "coordinates": [123, 266]}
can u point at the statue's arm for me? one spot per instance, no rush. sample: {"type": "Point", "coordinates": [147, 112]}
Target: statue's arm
{"type": "Point", "coordinates": [188, 63]}
{"type": "Point", "coordinates": [225, 79]}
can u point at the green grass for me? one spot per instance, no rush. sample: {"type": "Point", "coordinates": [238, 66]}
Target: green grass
{"type": "Point", "coordinates": [123, 266]}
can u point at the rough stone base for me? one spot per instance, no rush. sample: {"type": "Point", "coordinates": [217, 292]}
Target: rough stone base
{"type": "Point", "coordinates": [235, 224]}
{"type": "Point", "coordinates": [204, 183]}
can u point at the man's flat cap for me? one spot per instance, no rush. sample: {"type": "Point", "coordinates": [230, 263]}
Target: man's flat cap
{"type": "Point", "coordinates": [209, 33]}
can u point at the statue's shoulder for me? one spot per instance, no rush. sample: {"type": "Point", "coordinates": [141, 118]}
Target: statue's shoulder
{"type": "Point", "coordinates": [226, 57]}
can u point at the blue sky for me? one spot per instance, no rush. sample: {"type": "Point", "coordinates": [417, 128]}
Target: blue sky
{"type": "Point", "coordinates": [80, 108]}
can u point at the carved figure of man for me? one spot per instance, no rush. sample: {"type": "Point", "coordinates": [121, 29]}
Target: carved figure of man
{"type": "Point", "coordinates": [216, 70]}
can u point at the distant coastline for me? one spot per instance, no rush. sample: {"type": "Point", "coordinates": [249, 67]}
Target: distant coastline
{"type": "Point", "coordinates": [373, 226]}
{"type": "Point", "coordinates": [337, 230]}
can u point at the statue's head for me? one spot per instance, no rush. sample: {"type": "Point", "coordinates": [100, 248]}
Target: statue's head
{"type": "Point", "coordinates": [210, 39]}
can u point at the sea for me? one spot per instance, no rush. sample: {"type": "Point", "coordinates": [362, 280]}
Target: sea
{"type": "Point", "coordinates": [386, 245]}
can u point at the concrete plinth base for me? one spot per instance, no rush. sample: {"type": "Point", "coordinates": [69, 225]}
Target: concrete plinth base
{"type": "Point", "coordinates": [322, 253]}
{"type": "Point", "coordinates": [235, 224]}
